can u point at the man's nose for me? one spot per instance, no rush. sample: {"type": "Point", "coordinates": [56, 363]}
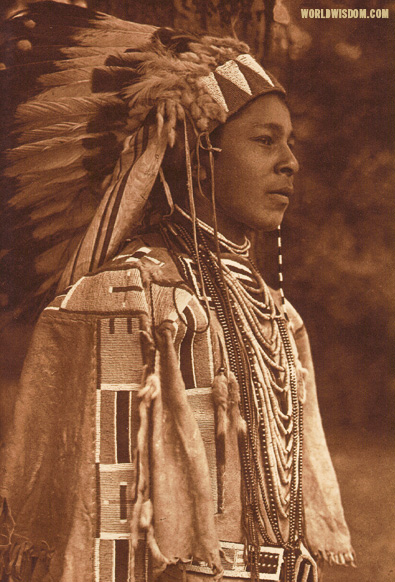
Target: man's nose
{"type": "Point", "coordinates": [288, 164]}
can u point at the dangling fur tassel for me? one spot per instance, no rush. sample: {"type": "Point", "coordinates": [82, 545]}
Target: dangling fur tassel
{"type": "Point", "coordinates": [339, 559]}
{"type": "Point", "coordinates": [142, 509]}
{"type": "Point", "coordinates": [220, 397]}
{"type": "Point", "coordinates": [234, 405]}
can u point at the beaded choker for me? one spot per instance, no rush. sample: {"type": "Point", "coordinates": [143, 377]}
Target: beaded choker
{"type": "Point", "coordinates": [241, 250]}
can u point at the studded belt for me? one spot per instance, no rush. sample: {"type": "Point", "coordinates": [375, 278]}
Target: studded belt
{"type": "Point", "coordinates": [270, 562]}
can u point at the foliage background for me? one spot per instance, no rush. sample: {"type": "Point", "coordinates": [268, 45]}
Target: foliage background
{"type": "Point", "coordinates": [337, 236]}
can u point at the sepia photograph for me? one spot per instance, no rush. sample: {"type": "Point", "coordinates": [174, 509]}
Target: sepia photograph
{"type": "Point", "coordinates": [197, 291]}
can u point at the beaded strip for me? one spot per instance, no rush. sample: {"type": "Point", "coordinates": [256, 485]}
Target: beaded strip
{"type": "Point", "coordinates": [280, 270]}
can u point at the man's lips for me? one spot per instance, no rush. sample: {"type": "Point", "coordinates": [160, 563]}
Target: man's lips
{"type": "Point", "coordinates": [288, 191]}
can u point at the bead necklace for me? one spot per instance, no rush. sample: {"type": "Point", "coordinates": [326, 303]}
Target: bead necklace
{"type": "Point", "coordinates": [241, 250]}
{"type": "Point", "coordinates": [271, 450]}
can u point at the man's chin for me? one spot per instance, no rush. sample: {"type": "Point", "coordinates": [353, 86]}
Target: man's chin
{"type": "Point", "coordinates": [267, 225]}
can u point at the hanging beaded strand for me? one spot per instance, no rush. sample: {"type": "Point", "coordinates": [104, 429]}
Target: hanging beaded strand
{"type": "Point", "coordinates": [255, 367]}
{"type": "Point", "coordinates": [244, 319]}
{"type": "Point", "coordinates": [280, 270]}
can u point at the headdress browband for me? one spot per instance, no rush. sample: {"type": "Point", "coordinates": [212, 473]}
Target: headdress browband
{"type": "Point", "coordinates": [238, 81]}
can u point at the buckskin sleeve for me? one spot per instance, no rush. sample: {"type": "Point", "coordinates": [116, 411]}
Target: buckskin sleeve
{"type": "Point", "coordinates": [325, 526]}
{"type": "Point", "coordinates": [61, 477]}
{"type": "Point", "coordinates": [47, 478]}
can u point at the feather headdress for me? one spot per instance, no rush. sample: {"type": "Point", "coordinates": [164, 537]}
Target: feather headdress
{"type": "Point", "coordinates": [90, 104]}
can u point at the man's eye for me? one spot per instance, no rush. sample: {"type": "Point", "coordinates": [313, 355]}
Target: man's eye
{"type": "Point", "coordinates": [265, 140]}
{"type": "Point", "coordinates": [291, 145]}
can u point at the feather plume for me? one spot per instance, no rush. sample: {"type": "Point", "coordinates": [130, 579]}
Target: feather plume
{"type": "Point", "coordinates": [13, 56]}
{"type": "Point", "coordinates": [41, 67]}
{"type": "Point", "coordinates": [66, 77]}
{"type": "Point", "coordinates": [75, 84]}
{"type": "Point", "coordinates": [81, 88]}
{"type": "Point", "coordinates": [48, 262]}
{"type": "Point", "coordinates": [38, 134]}
{"type": "Point", "coordinates": [48, 210]}
{"type": "Point", "coordinates": [66, 153]}
{"type": "Point", "coordinates": [74, 108]}
{"type": "Point", "coordinates": [38, 193]}
{"type": "Point", "coordinates": [49, 284]}
{"type": "Point", "coordinates": [60, 136]}
{"type": "Point", "coordinates": [52, 226]}
{"type": "Point", "coordinates": [71, 15]}
{"type": "Point", "coordinates": [81, 36]}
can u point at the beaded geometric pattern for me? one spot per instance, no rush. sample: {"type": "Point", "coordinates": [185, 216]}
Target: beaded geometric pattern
{"type": "Point", "coordinates": [238, 81]}
{"type": "Point", "coordinates": [119, 373]}
{"type": "Point", "coordinates": [117, 421]}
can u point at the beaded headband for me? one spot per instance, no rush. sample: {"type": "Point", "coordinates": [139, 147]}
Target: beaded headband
{"type": "Point", "coordinates": [235, 83]}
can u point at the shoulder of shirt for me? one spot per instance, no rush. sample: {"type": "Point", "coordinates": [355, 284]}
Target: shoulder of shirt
{"type": "Point", "coordinates": [296, 322]}
{"type": "Point", "coordinates": [121, 285]}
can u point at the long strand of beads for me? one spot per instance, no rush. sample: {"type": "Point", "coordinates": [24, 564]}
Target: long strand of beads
{"type": "Point", "coordinates": [256, 463]}
{"type": "Point", "coordinates": [296, 461]}
{"type": "Point", "coordinates": [254, 322]}
{"type": "Point", "coordinates": [271, 514]}
{"type": "Point", "coordinates": [231, 306]}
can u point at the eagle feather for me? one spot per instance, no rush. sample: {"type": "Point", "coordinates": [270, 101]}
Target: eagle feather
{"type": "Point", "coordinates": [63, 123]}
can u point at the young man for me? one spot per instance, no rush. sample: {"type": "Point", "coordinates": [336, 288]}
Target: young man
{"type": "Point", "coordinates": [167, 425]}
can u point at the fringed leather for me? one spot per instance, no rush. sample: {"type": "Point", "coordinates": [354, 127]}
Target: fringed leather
{"type": "Point", "coordinates": [339, 558]}
{"type": "Point", "coordinates": [20, 559]}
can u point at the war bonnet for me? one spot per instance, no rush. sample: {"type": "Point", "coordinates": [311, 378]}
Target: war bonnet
{"type": "Point", "coordinates": [204, 80]}
{"type": "Point", "coordinates": [103, 106]}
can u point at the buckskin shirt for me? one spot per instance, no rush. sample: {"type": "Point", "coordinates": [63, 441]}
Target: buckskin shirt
{"type": "Point", "coordinates": [116, 444]}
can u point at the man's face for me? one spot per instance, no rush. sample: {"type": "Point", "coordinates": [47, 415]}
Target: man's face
{"type": "Point", "coordinates": [254, 172]}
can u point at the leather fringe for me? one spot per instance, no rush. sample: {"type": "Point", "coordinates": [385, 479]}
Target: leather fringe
{"type": "Point", "coordinates": [339, 558]}
{"type": "Point", "coordinates": [20, 559]}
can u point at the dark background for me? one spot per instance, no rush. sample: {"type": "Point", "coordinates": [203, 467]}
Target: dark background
{"type": "Point", "coordinates": [337, 236]}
